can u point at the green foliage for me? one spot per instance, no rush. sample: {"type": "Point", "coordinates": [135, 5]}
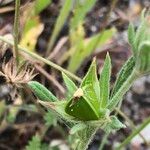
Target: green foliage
{"type": "Point", "coordinates": [144, 58]}
{"type": "Point", "coordinates": [82, 48]}
{"type": "Point", "coordinates": [41, 5]}
{"type": "Point", "coordinates": [131, 35]}
{"type": "Point", "coordinates": [123, 75]}
{"type": "Point", "coordinates": [80, 10]}
{"type": "Point", "coordinates": [89, 107]}
{"type": "Point", "coordinates": [70, 85]}
{"type": "Point", "coordinates": [34, 144]}
{"type": "Point", "coordinates": [140, 44]}
{"type": "Point", "coordinates": [50, 118]}
{"type": "Point", "coordinates": [64, 12]}
{"type": "Point", "coordinates": [105, 82]}
{"type": "Point", "coordinates": [114, 124]}
{"type": "Point", "coordinates": [78, 127]}
{"type": "Point", "coordinates": [41, 92]}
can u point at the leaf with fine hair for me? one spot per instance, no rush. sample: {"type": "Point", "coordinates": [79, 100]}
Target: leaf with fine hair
{"type": "Point", "coordinates": [123, 75]}
{"type": "Point", "coordinates": [114, 124]}
{"type": "Point", "coordinates": [141, 32]}
{"type": "Point", "coordinates": [71, 87]}
{"type": "Point", "coordinates": [131, 37]}
{"type": "Point", "coordinates": [90, 85]}
{"type": "Point", "coordinates": [143, 61]}
{"type": "Point", "coordinates": [105, 82]}
{"type": "Point", "coordinates": [41, 91]}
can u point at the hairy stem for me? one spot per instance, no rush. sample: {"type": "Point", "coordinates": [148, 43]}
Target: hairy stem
{"type": "Point", "coordinates": [38, 57]}
{"type": "Point", "coordinates": [124, 88]}
{"type": "Point", "coordinates": [16, 30]}
{"type": "Point", "coordinates": [134, 133]}
{"type": "Point", "coordinates": [104, 140]}
{"type": "Point", "coordinates": [85, 137]}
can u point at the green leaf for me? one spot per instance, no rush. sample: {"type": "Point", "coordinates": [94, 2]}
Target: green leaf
{"type": "Point", "coordinates": [40, 5]}
{"type": "Point", "coordinates": [64, 12]}
{"type": "Point", "coordinates": [50, 118]}
{"type": "Point", "coordinates": [105, 82]}
{"type": "Point", "coordinates": [80, 11]}
{"type": "Point", "coordinates": [81, 109]}
{"type": "Point", "coordinates": [41, 92]}
{"type": "Point", "coordinates": [34, 144]}
{"type": "Point", "coordinates": [123, 75]}
{"type": "Point", "coordinates": [85, 103]}
{"type": "Point", "coordinates": [143, 59]}
{"type": "Point", "coordinates": [114, 124]}
{"type": "Point", "coordinates": [87, 46]}
{"type": "Point", "coordinates": [140, 33]}
{"type": "Point", "coordinates": [59, 108]}
{"type": "Point", "coordinates": [131, 37]}
{"type": "Point", "coordinates": [90, 85]}
{"type": "Point", "coordinates": [78, 127]}
{"type": "Point", "coordinates": [71, 87]}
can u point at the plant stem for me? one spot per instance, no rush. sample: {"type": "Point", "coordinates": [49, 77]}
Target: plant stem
{"type": "Point", "coordinates": [133, 127]}
{"type": "Point", "coordinates": [16, 30]}
{"type": "Point", "coordinates": [134, 133]}
{"type": "Point", "coordinates": [104, 140]}
{"type": "Point", "coordinates": [124, 88]}
{"type": "Point", "coordinates": [36, 56]}
{"type": "Point", "coordinates": [85, 137]}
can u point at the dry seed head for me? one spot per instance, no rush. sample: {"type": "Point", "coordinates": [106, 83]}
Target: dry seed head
{"type": "Point", "coordinates": [16, 76]}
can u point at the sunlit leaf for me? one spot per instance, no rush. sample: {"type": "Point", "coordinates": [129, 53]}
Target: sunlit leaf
{"type": "Point", "coordinates": [123, 75]}
{"type": "Point", "coordinates": [71, 87]}
{"type": "Point", "coordinates": [89, 45]}
{"type": "Point", "coordinates": [105, 82]}
{"type": "Point", "coordinates": [64, 12]}
{"type": "Point", "coordinates": [41, 91]}
{"type": "Point", "coordinates": [40, 5]}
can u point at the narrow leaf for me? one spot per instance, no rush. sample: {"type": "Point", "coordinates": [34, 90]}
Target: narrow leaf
{"type": "Point", "coordinates": [143, 60]}
{"type": "Point", "coordinates": [105, 82]}
{"type": "Point", "coordinates": [40, 5]}
{"type": "Point", "coordinates": [123, 75]}
{"type": "Point", "coordinates": [71, 87]}
{"type": "Point", "coordinates": [140, 33]}
{"type": "Point", "coordinates": [90, 85]}
{"type": "Point", "coordinates": [41, 92]}
{"type": "Point", "coordinates": [64, 12]}
{"type": "Point", "coordinates": [131, 37]}
{"type": "Point", "coordinates": [80, 11]}
{"type": "Point", "coordinates": [87, 46]}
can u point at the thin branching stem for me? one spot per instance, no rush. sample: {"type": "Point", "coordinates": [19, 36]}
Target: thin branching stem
{"type": "Point", "coordinates": [133, 134]}
{"type": "Point", "coordinates": [38, 57]}
{"type": "Point", "coordinates": [132, 125]}
{"type": "Point", "coordinates": [103, 142]}
{"type": "Point", "coordinates": [16, 29]}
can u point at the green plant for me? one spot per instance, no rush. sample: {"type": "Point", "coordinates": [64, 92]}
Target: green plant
{"type": "Point", "coordinates": [34, 144]}
{"type": "Point", "coordinates": [87, 107]}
